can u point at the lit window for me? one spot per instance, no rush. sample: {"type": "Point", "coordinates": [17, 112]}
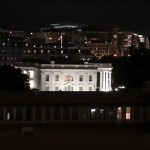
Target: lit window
{"type": "Point", "coordinates": [128, 112]}
{"type": "Point", "coordinates": [57, 78]}
{"type": "Point", "coordinates": [47, 78]}
{"type": "Point", "coordinates": [15, 44]}
{"type": "Point", "coordinates": [42, 51]}
{"type": "Point", "coordinates": [29, 51]}
{"type": "Point", "coordinates": [81, 78]}
{"type": "Point", "coordinates": [119, 113]}
{"type": "Point", "coordinates": [90, 77]}
{"type": "Point", "coordinates": [27, 44]}
{"type": "Point", "coordinates": [34, 51]}
{"type": "Point", "coordinates": [3, 51]}
{"type": "Point", "coordinates": [93, 113]}
{"type": "Point", "coordinates": [8, 116]}
{"type": "Point", "coordinates": [48, 51]}
{"type": "Point", "coordinates": [4, 44]}
{"type": "Point", "coordinates": [62, 51]}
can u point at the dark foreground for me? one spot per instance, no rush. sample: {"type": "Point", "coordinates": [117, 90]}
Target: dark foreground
{"type": "Point", "coordinates": [77, 137]}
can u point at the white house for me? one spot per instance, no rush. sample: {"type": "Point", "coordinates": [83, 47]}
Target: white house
{"type": "Point", "coordinates": [68, 77]}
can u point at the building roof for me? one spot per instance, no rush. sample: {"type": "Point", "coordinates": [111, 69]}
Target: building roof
{"type": "Point", "coordinates": [129, 97]}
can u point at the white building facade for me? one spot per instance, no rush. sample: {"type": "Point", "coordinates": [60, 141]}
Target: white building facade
{"type": "Point", "coordinates": [68, 77]}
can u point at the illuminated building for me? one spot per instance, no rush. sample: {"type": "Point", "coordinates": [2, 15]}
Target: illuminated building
{"type": "Point", "coordinates": [68, 77]}
{"type": "Point", "coordinates": [122, 42]}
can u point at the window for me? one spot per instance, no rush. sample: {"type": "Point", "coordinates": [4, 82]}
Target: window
{"type": "Point", "coordinates": [90, 77]}
{"type": "Point", "coordinates": [101, 113]}
{"type": "Point", "coordinates": [93, 113]}
{"type": "Point", "coordinates": [110, 113]}
{"type": "Point", "coordinates": [56, 88]}
{"type": "Point", "coordinates": [34, 51]}
{"type": "Point", "coordinates": [47, 88]}
{"type": "Point", "coordinates": [81, 78]}
{"type": "Point", "coordinates": [119, 113]}
{"type": "Point", "coordinates": [80, 88]}
{"type": "Point", "coordinates": [90, 88]}
{"type": "Point", "coordinates": [29, 51]}
{"type": "Point", "coordinates": [128, 111]}
{"type": "Point", "coordinates": [57, 78]}
{"type": "Point", "coordinates": [41, 51]}
{"type": "Point", "coordinates": [47, 78]}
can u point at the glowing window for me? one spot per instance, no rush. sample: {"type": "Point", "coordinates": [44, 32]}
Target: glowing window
{"type": "Point", "coordinates": [93, 113]}
{"type": "Point", "coordinates": [128, 112]}
{"type": "Point", "coordinates": [119, 113]}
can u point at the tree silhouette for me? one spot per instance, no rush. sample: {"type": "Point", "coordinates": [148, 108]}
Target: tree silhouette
{"type": "Point", "coordinates": [11, 79]}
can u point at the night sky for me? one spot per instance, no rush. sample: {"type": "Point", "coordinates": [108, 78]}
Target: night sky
{"type": "Point", "coordinates": [128, 14]}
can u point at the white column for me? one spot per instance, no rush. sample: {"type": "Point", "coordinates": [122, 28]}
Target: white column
{"type": "Point", "coordinates": [107, 88]}
{"type": "Point", "coordinates": [109, 81]}
{"type": "Point", "coordinates": [101, 81]}
{"type": "Point", "coordinates": [104, 82]}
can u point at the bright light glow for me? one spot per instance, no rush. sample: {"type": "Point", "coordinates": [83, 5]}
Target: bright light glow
{"type": "Point", "coordinates": [115, 55]}
{"type": "Point", "coordinates": [31, 74]}
{"type": "Point", "coordinates": [93, 110]}
{"type": "Point", "coordinates": [31, 82]}
{"type": "Point", "coordinates": [25, 72]}
{"type": "Point", "coordinates": [116, 89]}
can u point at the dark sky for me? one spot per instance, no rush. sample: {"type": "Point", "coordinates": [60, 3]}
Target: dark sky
{"type": "Point", "coordinates": [128, 14]}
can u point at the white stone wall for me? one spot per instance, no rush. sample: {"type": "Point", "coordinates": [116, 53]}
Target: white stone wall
{"type": "Point", "coordinates": [68, 77]}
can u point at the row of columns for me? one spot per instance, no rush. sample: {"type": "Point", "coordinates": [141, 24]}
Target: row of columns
{"type": "Point", "coordinates": [84, 113]}
{"type": "Point", "coordinates": [105, 81]}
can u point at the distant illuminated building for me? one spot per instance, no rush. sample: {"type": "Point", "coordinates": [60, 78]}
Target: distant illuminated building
{"type": "Point", "coordinates": [67, 77]}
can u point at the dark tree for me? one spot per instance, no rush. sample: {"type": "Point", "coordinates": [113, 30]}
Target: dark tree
{"type": "Point", "coordinates": [11, 79]}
